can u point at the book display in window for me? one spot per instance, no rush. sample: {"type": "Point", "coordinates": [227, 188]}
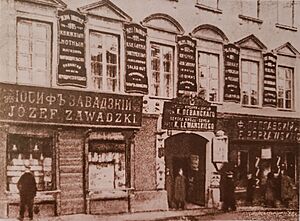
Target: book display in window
{"type": "Point", "coordinates": [38, 152]}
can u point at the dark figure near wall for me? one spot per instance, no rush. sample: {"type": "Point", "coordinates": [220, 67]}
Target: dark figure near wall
{"type": "Point", "coordinates": [180, 190]}
{"type": "Point", "coordinates": [270, 190]}
{"type": "Point", "coordinates": [227, 192]}
{"type": "Point", "coordinates": [287, 189]}
{"type": "Point", "coordinates": [27, 189]}
{"type": "Point", "coordinates": [251, 182]}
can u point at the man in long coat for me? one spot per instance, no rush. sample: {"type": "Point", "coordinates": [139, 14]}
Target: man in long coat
{"type": "Point", "coordinates": [27, 189]}
{"type": "Point", "coordinates": [180, 190]}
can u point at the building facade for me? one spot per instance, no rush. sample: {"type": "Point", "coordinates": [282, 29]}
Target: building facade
{"type": "Point", "coordinates": [109, 99]}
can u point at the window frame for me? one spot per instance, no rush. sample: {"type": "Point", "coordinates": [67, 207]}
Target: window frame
{"type": "Point", "coordinates": [200, 4]}
{"type": "Point", "coordinates": [218, 97]}
{"type": "Point", "coordinates": [280, 24]}
{"type": "Point", "coordinates": [292, 87]}
{"type": "Point", "coordinates": [104, 69]}
{"type": "Point", "coordinates": [49, 50]}
{"type": "Point", "coordinates": [258, 83]}
{"type": "Point", "coordinates": [172, 87]}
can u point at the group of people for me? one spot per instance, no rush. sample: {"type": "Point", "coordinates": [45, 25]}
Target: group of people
{"type": "Point", "coordinates": [278, 188]}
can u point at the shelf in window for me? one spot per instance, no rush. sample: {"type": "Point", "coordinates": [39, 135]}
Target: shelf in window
{"type": "Point", "coordinates": [207, 8]}
{"type": "Point", "coordinates": [286, 27]}
{"type": "Point", "coordinates": [249, 18]}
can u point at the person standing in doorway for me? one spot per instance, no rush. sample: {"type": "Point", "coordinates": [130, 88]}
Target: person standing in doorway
{"type": "Point", "coordinates": [251, 182]}
{"type": "Point", "coordinates": [270, 190]}
{"type": "Point", "coordinates": [228, 196]}
{"type": "Point", "coordinates": [180, 190]}
{"type": "Point", "coordinates": [27, 189]}
{"type": "Point", "coordinates": [287, 189]}
{"type": "Point", "coordinates": [169, 187]}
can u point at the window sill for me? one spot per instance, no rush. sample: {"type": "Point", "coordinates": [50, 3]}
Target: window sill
{"type": "Point", "coordinates": [286, 27]}
{"type": "Point", "coordinates": [286, 110]}
{"type": "Point", "coordinates": [248, 18]}
{"type": "Point", "coordinates": [251, 106]}
{"type": "Point", "coordinates": [207, 8]}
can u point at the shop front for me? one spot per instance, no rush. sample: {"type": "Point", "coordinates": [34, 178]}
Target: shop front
{"type": "Point", "coordinates": [260, 145]}
{"type": "Point", "coordinates": [79, 145]}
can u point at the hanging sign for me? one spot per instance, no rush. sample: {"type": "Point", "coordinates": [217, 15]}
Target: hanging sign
{"type": "Point", "coordinates": [186, 64]}
{"type": "Point", "coordinates": [189, 113]}
{"type": "Point", "coordinates": [220, 149]}
{"type": "Point", "coordinates": [231, 69]}
{"type": "Point", "coordinates": [270, 90]}
{"type": "Point", "coordinates": [135, 50]}
{"type": "Point", "coordinates": [71, 67]}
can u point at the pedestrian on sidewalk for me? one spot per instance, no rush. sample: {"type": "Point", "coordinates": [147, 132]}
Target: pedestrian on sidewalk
{"type": "Point", "coordinates": [227, 192]}
{"type": "Point", "coordinates": [169, 187]}
{"type": "Point", "coordinates": [251, 182]}
{"type": "Point", "coordinates": [270, 190]}
{"type": "Point", "coordinates": [27, 189]}
{"type": "Point", "coordinates": [287, 188]}
{"type": "Point", "coordinates": [180, 190]}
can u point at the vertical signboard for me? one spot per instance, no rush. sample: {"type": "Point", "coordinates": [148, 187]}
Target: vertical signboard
{"type": "Point", "coordinates": [186, 64]}
{"type": "Point", "coordinates": [231, 69]}
{"type": "Point", "coordinates": [135, 48]}
{"type": "Point", "coordinates": [270, 90]}
{"type": "Point", "coordinates": [71, 67]}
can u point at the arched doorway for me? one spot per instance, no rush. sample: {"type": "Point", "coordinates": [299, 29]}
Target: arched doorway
{"type": "Point", "coordinates": [187, 151]}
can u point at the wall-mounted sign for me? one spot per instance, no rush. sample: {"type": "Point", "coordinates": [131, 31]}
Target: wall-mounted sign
{"type": "Point", "coordinates": [193, 114]}
{"type": "Point", "coordinates": [71, 67]}
{"type": "Point", "coordinates": [251, 128]}
{"type": "Point", "coordinates": [186, 64]}
{"type": "Point", "coordinates": [270, 90]}
{"type": "Point", "coordinates": [68, 107]}
{"type": "Point", "coordinates": [220, 149]}
{"type": "Point", "coordinates": [135, 50]}
{"type": "Point", "coordinates": [231, 73]}
{"type": "Point", "coordinates": [266, 153]}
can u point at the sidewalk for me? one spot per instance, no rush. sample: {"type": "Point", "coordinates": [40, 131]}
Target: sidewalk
{"type": "Point", "coordinates": [148, 216]}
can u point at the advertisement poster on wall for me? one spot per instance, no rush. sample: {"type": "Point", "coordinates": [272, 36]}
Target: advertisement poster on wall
{"type": "Point", "coordinates": [71, 67]}
{"type": "Point", "coordinates": [270, 90]}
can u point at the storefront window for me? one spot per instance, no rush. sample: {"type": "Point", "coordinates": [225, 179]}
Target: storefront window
{"type": "Point", "coordinates": [33, 52]}
{"type": "Point", "coordinates": [249, 83]}
{"type": "Point", "coordinates": [107, 165]}
{"type": "Point", "coordinates": [104, 61]}
{"type": "Point", "coordinates": [39, 152]}
{"type": "Point", "coordinates": [161, 70]}
{"type": "Point", "coordinates": [285, 87]}
{"type": "Point", "coordinates": [209, 76]}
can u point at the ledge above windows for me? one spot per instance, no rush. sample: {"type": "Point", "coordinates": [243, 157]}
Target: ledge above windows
{"type": "Point", "coordinates": [286, 27]}
{"type": "Point", "coordinates": [252, 19]}
{"type": "Point", "coordinates": [208, 8]}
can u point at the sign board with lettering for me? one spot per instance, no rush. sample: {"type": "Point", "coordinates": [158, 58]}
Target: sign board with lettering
{"type": "Point", "coordinates": [187, 113]}
{"type": "Point", "coordinates": [136, 79]}
{"type": "Point", "coordinates": [268, 129]}
{"type": "Point", "coordinates": [186, 64]}
{"type": "Point", "coordinates": [232, 90]}
{"type": "Point", "coordinates": [71, 67]}
{"type": "Point", "coordinates": [270, 90]}
{"type": "Point", "coordinates": [220, 149]}
{"type": "Point", "coordinates": [68, 107]}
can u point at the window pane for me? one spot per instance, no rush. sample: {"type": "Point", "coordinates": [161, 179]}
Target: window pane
{"type": "Point", "coordinates": [40, 32]}
{"type": "Point", "coordinates": [285, 87]}
{"type": "Point", "coordinates": [24, 29]}
{"type": "Point", "coordinates": [24, 61]}
{"type": "Point", "coordinates": [250, 83]}
{"type": "Point", "coordinates": [285, 12]}
{"type": "Point", "coordinates": [210, 3]}
{"type": "Point", "coordinates": [249, 8]}
{"type": "Point", "coordinates": [24, 76]}
{"type": "Point", "coordinates": [40, 47]}
{"type": "Point", "coordinates": [23, 46]}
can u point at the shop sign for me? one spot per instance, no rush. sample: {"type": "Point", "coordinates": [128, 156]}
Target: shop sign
{"type": "Point", "coordinates": [135, 51]}
{"type": "Point", "coordinates": [220, 149]}
{"type": "Point", "coordinates": [186, 64]}
{"type": "Point", "coordinates": [266, 153]}
{"type": "Point", "coordinates": [68, 107]}
{"type": "Point", "coordinates": [231, 73]}
{"type": "Point", "coordinates": [187, 113]}
{"type": "Point", "coordinates": [71, 67]}
{"type": "Point", "coordinates": [270, 90]}
{"type": "Point", "coordinates": [284, 130]}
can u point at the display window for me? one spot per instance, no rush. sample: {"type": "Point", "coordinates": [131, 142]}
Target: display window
{"type": "Point", "coordinates": [39, 152]}
{"type": "Point", "coordinates": [107, 165]}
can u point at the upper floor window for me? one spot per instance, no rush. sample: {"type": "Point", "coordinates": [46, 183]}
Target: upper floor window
{"type": "Point", "coordinates": [104, 49]}
{"type": "Point", "coordinates": [285, 87]}
{"type": "Point", "coordinates": [250, 8]}
{"type": "Point", "coordinates": [162, 76]}
{"type": "Point", "coordinates": [208, 78]}
{"type": "Point", "coordinates": [249, 85]}
{"type": "Point", "coordinates": [33, 52]}
{"type": "Point", "coordinates": [209, 3]}
{"type": "Point", "coordinates": [286, 12]}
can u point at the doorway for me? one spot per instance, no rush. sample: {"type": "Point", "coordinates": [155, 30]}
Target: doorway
{"type": "Point", "coordinates": [187, 151]}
